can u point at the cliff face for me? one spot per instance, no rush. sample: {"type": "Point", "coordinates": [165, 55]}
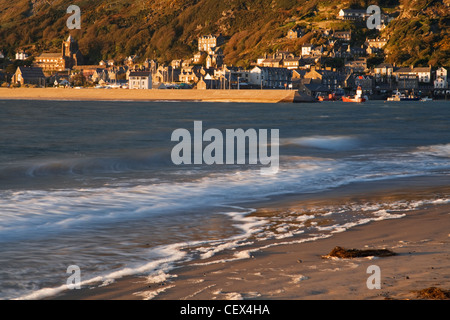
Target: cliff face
{"type": "Point", "coordinates": [168, 29]}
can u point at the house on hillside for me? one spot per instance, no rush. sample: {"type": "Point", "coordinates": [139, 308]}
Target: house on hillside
{"type": "Point", "coordinates": [214, 60]}
{"type": "Point", "coordinates": [292, 63]}
{"type": "Point", "coordinates": [199, 57]}
{"type": "Point", "coordinates": [358, 65]}
{"type": "Point", "coordinates": [272, 62]}
{"type": "Point", "coordinates": [29, 75]}
{"type": "Point", "coordinates": [176, 64]}
{"type": "Point", "coordinates": [294, 33]}
{"type": "Point", "coordinates": [207, 42]}
{"type": "Point", "coordinates": [130, 61]}
{"type": "Point", "coordinates": [376, 43]}
{"type": "Point", "coordinates": [306, 49]}
{"type": "Point", "coordinates": [352, 14]}
{"type": "Point", "coordinates": [21, 55]}
{"type": "Point", "coordinates": [343, 35]}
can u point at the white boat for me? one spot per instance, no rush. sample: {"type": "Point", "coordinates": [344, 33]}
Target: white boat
{"type": "Point", "coordinates": [426, 99]}
{"type": "Point", "coordinates": [402, 97]}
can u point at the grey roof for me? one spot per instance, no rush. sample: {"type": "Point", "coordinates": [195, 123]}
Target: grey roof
{"type": "Point", "coordinates": [315, 87]}
{"type": "Point", "coordinates": [384, 65]}
{"type": "Point", "coordinates": [31, 72]}
{"type": "Point", "coordinates": [50, 55]}
{"type": "Point", "coordinates": [140, 74]}
{"type": "Point", "coordinates": [361, 11]}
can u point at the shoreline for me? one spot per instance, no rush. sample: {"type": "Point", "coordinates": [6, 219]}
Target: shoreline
{"type": "Point", "coordinates": [295, 270]}
{"type": "Point", "coordinates": [185, 95]}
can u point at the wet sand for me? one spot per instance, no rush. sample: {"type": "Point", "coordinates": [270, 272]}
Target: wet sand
{"type": "Point", "coordinates": [297, 271]}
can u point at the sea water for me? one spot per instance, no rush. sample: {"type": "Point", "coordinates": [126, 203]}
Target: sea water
{"type": "Point", "coordinates": [92, 184]}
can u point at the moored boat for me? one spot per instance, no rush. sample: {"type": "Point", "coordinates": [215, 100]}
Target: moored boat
{"type": "Point", "coordinates": [402, 97]}
{"type": "Point", "coordinates": [356, 98]}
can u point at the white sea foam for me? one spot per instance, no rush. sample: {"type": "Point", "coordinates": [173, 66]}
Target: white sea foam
{"type": "Point", "coordinates": [150, 294]}
{"type": "Point", "coordinates": [439, 150]}
{"type": "Point", "coordinates": [167, 256]}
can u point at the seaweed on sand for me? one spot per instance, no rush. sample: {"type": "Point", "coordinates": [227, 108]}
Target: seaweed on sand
{"type": "Point", "coordinates": [433, 293]}
{"type": "Point", "coordinates": [342, 253]}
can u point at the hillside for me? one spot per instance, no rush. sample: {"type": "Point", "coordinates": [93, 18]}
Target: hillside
{"type": "Point", "coordinates": [168, 29]}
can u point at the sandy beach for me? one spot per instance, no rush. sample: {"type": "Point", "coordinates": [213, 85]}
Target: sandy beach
{"type": "Point", "coordinates": [291, 269]}
{"type": "Point", "coordinates": [257, 96]}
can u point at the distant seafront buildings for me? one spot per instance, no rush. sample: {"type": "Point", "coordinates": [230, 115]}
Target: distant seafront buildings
{"type": "Point", "coordinates": [304, 70]}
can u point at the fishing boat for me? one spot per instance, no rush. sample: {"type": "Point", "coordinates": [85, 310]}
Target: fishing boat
{"type": "Point", "coordinates": [330, 97]}
{"type": "Point", "coordinates": [426, 99]}
{"type": "Point", "coordinates": [356, 98]}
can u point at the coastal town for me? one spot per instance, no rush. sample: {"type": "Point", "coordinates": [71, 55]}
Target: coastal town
{"type": "Point", "coordinates": [307, 71]}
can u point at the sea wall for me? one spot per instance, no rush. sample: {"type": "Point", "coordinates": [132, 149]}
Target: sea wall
{"type": "Point", "coordinates": [257, 96]}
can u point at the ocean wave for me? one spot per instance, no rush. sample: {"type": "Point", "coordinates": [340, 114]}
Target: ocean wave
{"type": "Point", "coordinates": [83, 166]}
{"type": "Point", "coordinates": [438, 150]}
{"type": "Point", "coordinates": [28, 213]}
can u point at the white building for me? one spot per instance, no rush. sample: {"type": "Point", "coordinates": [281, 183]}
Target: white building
{"type": "Point", "coordinates": [306, 49]}
{"type": "Point", "coordinates": [424, 74]}
{"type": "Point", "coordinates": [208, 42]}
{"type": "Point", "coordinates": [441, 79]}
{"type": "Point", "coordinates": [140, 80]}
{"type": "Point", "coordinates": [21, 55]}
{"type": "Point", "coordinates": [275, 78]}
{"type": "Point", "coordinates": [352, 14]}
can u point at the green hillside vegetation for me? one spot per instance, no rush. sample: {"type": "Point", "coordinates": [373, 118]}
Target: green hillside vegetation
{"type": "Point", "coordinates": [168, 29]}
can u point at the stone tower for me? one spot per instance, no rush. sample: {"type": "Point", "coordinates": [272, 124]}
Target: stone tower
{"type": "Point", "coordinates": [71, 53]}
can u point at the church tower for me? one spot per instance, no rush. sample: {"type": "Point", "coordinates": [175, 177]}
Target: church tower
{"type": "Point", "coordinates": [71, 53]}
{"type": "Point", "coordinates": [69, 47]}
